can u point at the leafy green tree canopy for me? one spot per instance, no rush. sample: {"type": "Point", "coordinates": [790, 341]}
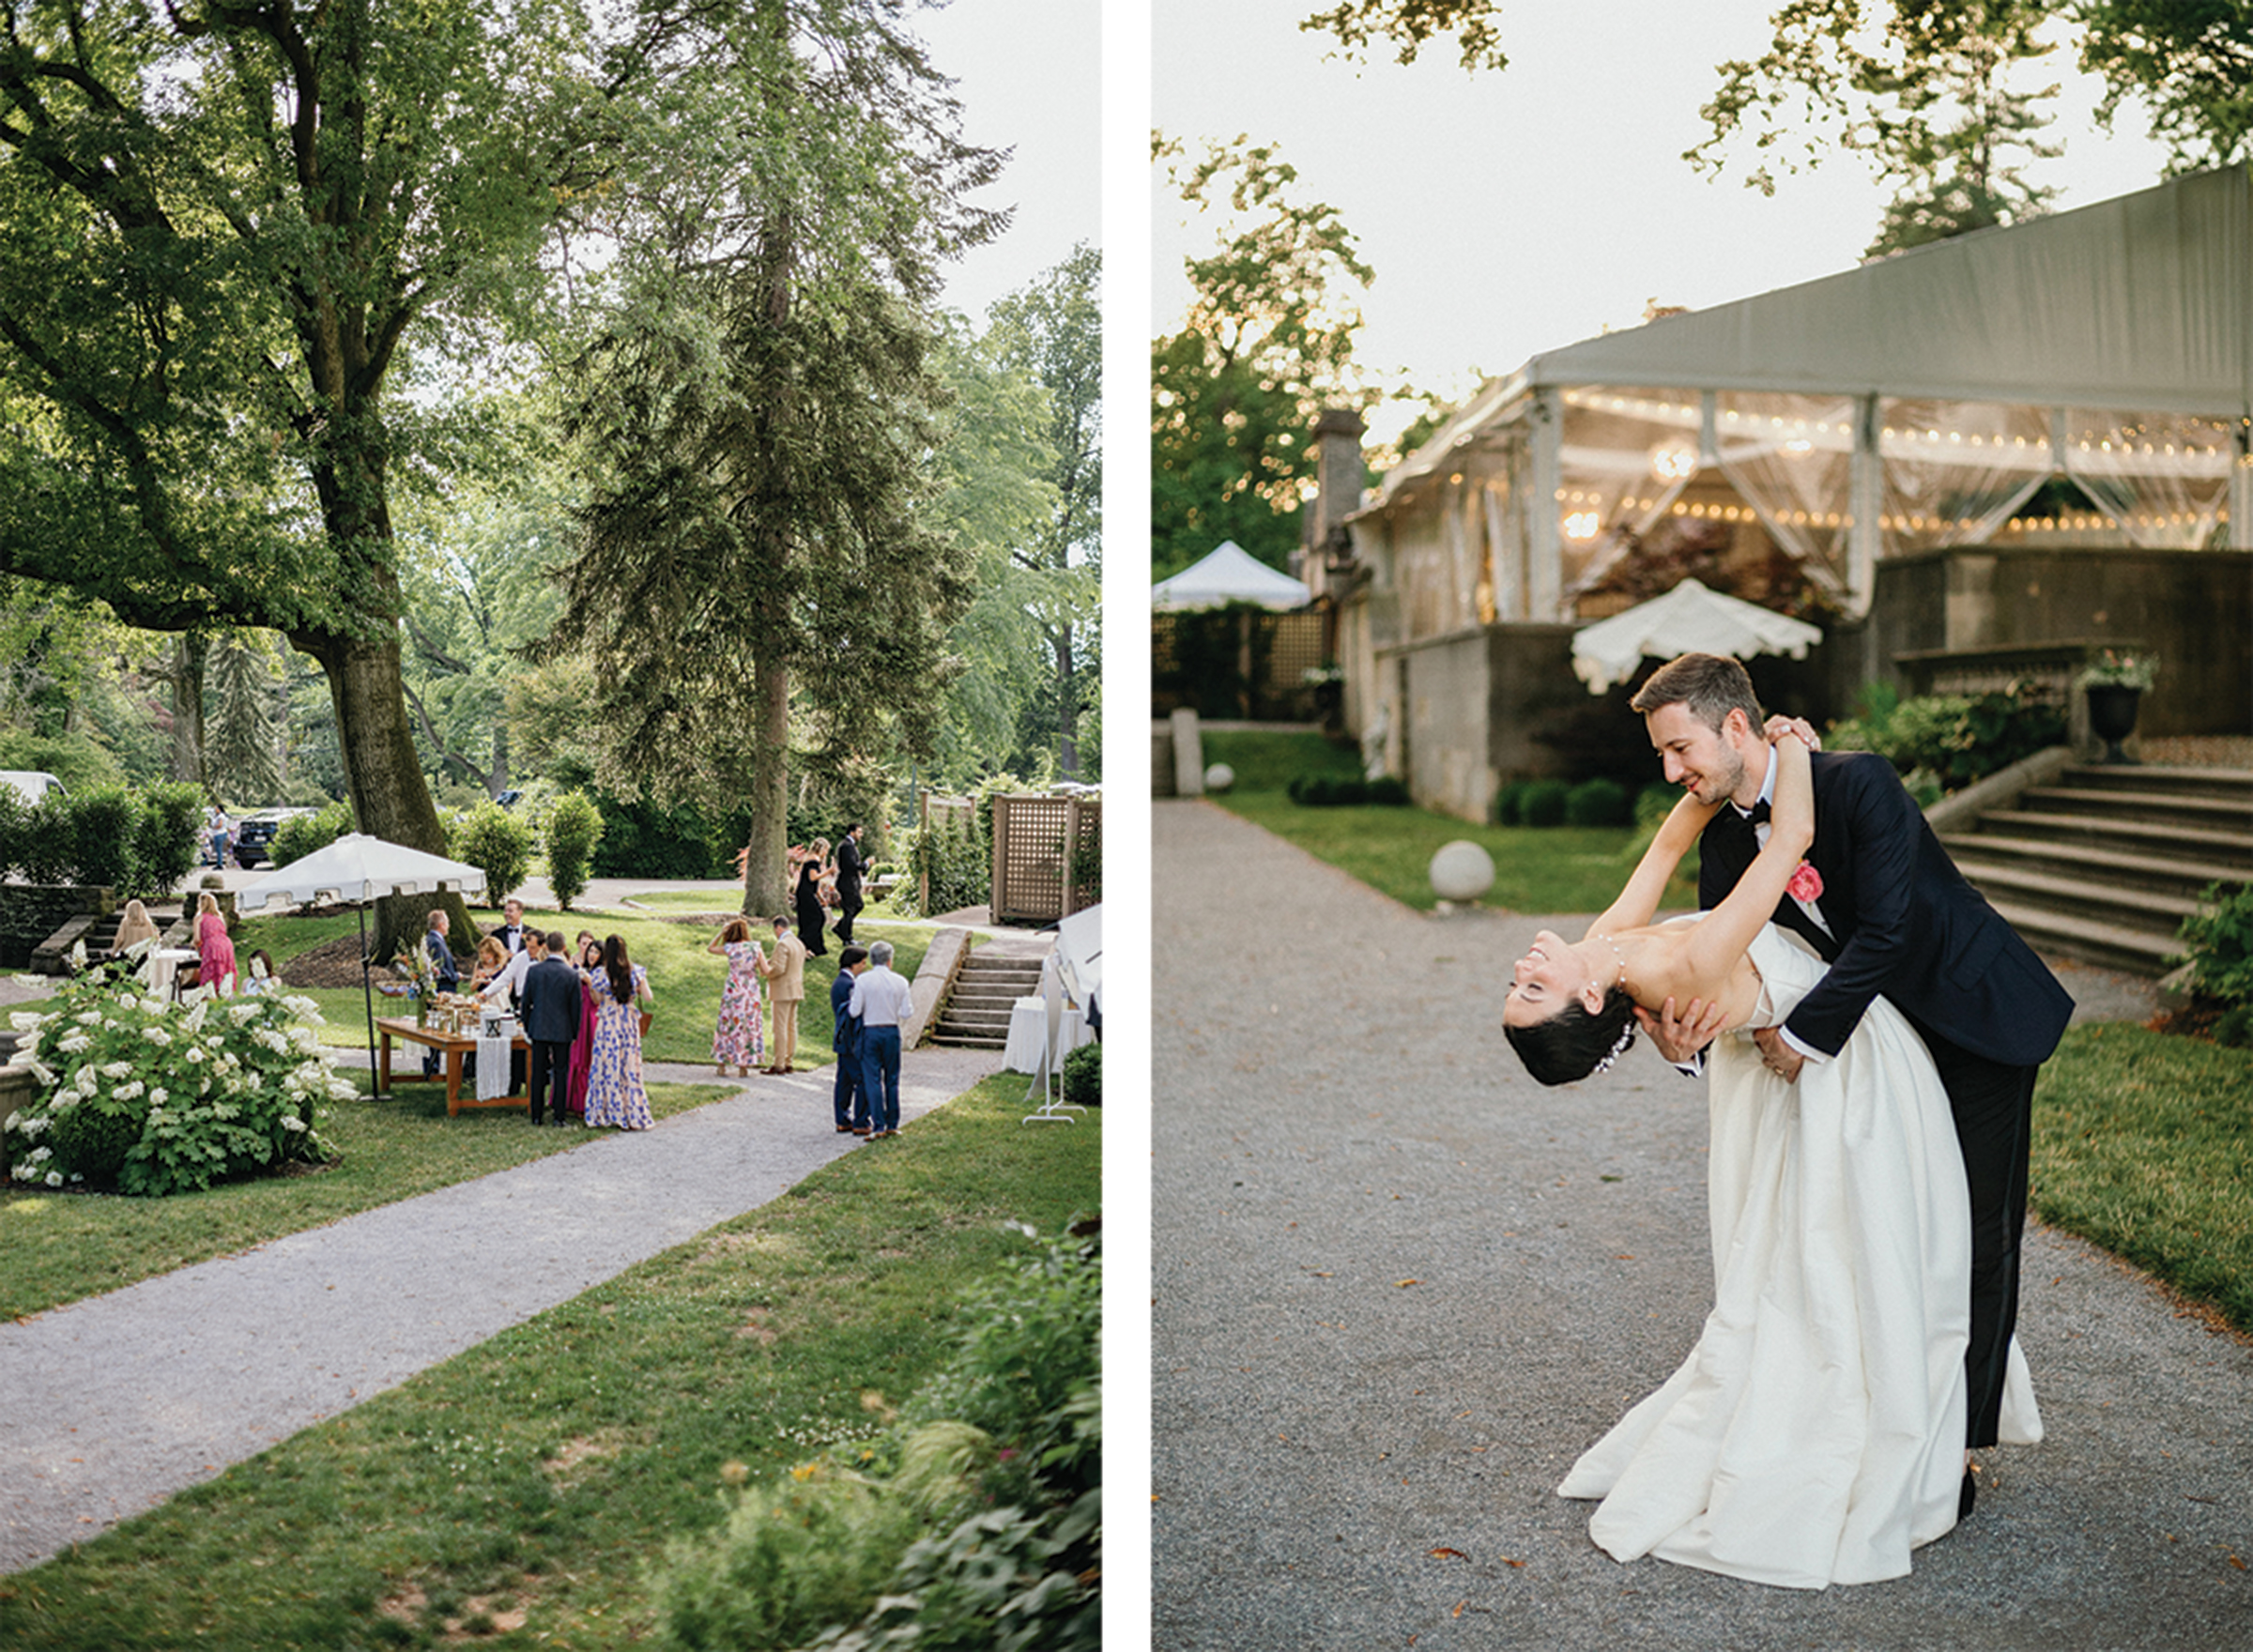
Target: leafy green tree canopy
{"type": "Point", "coordinates": [1267, 344]}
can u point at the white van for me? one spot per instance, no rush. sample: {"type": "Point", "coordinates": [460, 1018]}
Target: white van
{"type": "Point", "coordinates": [32, 784]}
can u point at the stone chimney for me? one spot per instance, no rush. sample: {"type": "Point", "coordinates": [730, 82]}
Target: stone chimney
{"type": "Point", "coordinates": [1336, 492]}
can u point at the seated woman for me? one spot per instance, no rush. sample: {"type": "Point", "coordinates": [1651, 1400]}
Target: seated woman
{"type": "Point", "coordinates": [1815, 1435]}
{"type": "Point", "coordinates": [491, 958]}
{"type": "Point", "coordinates": [133, 928]}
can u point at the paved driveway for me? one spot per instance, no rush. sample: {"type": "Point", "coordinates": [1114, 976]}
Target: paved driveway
{"type": "Point", "coordinates": [1399, 1287]}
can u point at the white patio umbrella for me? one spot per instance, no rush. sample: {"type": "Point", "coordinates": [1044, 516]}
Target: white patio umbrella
{"type": "Point", "coordinates": [1689, 619]}
{"type": "Point", "coordinates": [353, 871]}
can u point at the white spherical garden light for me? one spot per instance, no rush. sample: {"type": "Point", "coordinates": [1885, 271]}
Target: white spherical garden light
{"type": "Point", "coordinates": [1462, 871]}
{"type": "Point", "coordinates": [1219, 777]}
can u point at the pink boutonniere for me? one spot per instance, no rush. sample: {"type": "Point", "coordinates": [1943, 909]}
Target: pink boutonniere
{"type": "Point", "coordinates": [1807, 883]}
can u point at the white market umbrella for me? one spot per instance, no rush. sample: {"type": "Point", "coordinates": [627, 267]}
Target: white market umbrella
{"type": "Point", "coordinates": [1079, 952]}
{"type": "Point", "coordinates": [353, 871]}
{"type": "Point", "coordinates": [1689, 619]}
{"type": "Point", "coordinates": [1230, 574]}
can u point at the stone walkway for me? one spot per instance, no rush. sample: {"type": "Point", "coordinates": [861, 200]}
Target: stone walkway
{"type": "Point", "coordinates": [108, 1406]}
{"type": "Point", "coordinates": [1399, 1287]}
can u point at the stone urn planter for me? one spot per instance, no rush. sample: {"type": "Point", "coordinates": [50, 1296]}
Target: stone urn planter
{"type": "Point", "coordinates": [2112, 708]}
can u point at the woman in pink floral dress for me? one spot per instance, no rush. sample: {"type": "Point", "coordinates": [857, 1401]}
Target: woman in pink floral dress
{"type": "Point", "coordinates": [740, 1039]}
{"type": "Point", "coordinates": [215, 949]}
{"type": "Point", "coordinates": [614, 1092]}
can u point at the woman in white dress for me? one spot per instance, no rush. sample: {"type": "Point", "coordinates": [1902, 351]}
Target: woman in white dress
{"type": "Point", "coordinates": [1814, 1435]}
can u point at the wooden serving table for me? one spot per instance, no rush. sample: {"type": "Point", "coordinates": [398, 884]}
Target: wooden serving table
{"type": "Point", "coordinates": [454, 1046]}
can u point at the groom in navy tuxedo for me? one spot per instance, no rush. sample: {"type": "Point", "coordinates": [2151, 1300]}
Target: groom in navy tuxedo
{"type": "Point", "coordinates": [1890, 915]}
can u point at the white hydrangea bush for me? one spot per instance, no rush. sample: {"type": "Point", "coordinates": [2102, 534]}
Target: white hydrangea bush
{"type": "Point", "coordinates": [157, 1097]}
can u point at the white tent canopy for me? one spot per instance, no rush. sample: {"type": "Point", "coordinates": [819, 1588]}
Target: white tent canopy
{"type": "Point", "coordinates": [357, 868]}
{"type": "Point", "coordinates": [1689, 619]}
{"type": "Point", "coordinates": [1230, 574]}
{"type": "Point", "coordinates": [1913, 403]}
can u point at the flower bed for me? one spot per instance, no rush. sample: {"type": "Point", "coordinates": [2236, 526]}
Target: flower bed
{"type": "Point", "coordinates": [152, 1098]}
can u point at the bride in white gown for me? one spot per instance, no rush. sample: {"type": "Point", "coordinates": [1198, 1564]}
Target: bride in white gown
{"type": "Point", "coordinates": [1816, 1434]}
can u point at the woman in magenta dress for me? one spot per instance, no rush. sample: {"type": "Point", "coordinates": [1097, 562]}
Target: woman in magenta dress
{"type": "Point", "coordinates": [582, 1051]}
{"type": "Point", "coordinates": [615, 1095]}
{"type": "Point", "coordinates": [740, 1039]}
{"type": "Point", "coordinates": [215, 950]}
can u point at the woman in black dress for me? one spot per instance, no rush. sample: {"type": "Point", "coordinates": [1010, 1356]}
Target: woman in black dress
{"type": "Point", "coordinates": [806, 892]}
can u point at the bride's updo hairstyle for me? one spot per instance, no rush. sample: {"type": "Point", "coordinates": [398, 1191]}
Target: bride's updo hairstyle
{"type": "Point", "coordinates": [1572, 1043]}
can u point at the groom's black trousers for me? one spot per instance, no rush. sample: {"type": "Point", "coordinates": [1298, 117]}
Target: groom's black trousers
{"type": "Point", "coordinates": [1994, 1109]}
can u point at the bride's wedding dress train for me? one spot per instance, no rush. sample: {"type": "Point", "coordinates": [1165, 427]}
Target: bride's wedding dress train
{"type": "Point", "coordinates": [1816, 1434]}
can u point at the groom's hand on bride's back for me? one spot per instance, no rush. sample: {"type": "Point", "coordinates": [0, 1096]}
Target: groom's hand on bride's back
{"type": "Point", "coordinates": [1680, 1038]}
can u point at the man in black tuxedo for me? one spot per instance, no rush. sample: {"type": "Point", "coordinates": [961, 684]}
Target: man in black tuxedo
{"type": "Point", "coordinates": [512, 929]}
{"type": "Point", "coordinates": [1891, 915]}
{"type": "Point", "coordinates": [550, 1011]}
{"type": "Point", "coordinates": [849, 881]}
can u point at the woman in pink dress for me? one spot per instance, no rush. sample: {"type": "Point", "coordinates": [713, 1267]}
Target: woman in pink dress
{"type": "Point", "coordinates": [615, 1095]}
{"type": "Point", "coordinates": [740, 1039]}
{"type": "Point", "coordinates": [215, 950]}
{"type": "Point", "coordinates": [582, 1051]}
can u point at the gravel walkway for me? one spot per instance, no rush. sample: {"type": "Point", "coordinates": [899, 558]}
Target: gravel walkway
{"type": "Point", "coordinates": [109, 1406]}
{"type": "Point", "coordinates": [1399, 1287]}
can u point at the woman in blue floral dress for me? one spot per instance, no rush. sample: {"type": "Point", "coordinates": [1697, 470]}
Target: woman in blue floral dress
{"type": "Point", "coordinates": [614, 1091]}
{"type": "Point", "coordinates": [740, 1040]}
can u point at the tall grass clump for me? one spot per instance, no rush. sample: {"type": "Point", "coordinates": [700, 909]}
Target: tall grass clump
{"type": "Point", "coordinates": [973, 1521]}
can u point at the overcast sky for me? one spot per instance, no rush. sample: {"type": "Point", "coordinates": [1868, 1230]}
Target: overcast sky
{"type": "Point", "coordinates": [1510, 213]}
{"type": "Point", "coordinates": [1029, 76]}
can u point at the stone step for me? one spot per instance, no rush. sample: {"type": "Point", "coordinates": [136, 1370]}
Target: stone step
{"type": "Point", "coordinates": [2178, 808]}
{"type": "Point", "coordinates": [2136, 777]}
{"type": "Point", "coordinates": [2229, 849]}
{"type": "Point", "coordinates": [2157, 911]}
{"type": "Point", "coordinates": [2091, 867]}
{"type": "Point", "coordinates": [967, 1040]}
{"type": "Point", "coordinates": [2111, 946]}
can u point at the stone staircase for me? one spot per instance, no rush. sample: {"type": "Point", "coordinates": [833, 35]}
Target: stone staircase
{"type": "Point", "coordinates": [975, 1013]}
{"type": "Point", "coordinates": [2104, 863]}
{"type": "Point", "coordinates": [99, 932]}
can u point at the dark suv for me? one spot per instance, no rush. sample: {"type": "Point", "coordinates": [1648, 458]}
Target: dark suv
{"type": "Point", "coordinates": [254, 833]}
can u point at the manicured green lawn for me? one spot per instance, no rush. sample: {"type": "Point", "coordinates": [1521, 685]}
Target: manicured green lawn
{"type": "Point", "coordinates": [1536, 869]}
{"type": "Point", "coordinates": [685, 979]}
{"type": "Point", "coordinates": [62, 1247]}
{"type": "Point", "coordinates": [519, 1492]}
{"type": "Point", "coordinates": [2143, 1143]}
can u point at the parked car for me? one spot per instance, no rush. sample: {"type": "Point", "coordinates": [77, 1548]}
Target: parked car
{"type": "Point", "coordinates": [32, 784]}
{"type": "Point", "coordinates": [254, 833]}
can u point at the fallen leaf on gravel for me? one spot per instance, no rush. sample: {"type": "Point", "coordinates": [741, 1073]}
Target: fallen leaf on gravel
{"type": "Point", "coordinates": [1459, 1606]}
{"type": "Point", "coordinates": [2237, 1563]}
{"type": "Point", "coordinates": [1448, 1555]}
{"type": "Point", "coordinates": [1407, 1281]}
{"type": "Point", "coordinates": [1623, 1257]}
{"type": "Point", "coordinates": [1519, 1564]}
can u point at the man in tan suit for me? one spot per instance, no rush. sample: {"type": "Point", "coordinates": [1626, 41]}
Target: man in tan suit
{"type": "Point", "coordinates": [785, 974]}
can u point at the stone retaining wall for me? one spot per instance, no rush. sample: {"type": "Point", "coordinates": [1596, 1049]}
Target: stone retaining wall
{"type": "Point", "coordinates": [30, 912]}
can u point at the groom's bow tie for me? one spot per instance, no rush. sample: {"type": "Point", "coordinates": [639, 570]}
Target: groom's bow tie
{"type": "Point", "coordinates": [1759, 815]}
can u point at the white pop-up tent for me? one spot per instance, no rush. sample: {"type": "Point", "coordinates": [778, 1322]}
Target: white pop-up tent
{"type": "Point", "coordinates": [353, 871]}
{"type": "Point", "coordinates": [1912, 404]}
{"type": "Point", "coordinates": [1689, 619]}
{"type": "Point", "coordinates": [1230, 574]}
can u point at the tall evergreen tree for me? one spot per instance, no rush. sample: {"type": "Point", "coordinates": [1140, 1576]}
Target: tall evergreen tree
{"type": "Point", "coordinates": [758, 425]}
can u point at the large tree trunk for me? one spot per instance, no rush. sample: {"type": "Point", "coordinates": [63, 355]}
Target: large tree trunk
{"type": "Point", "coordinates": [187, 678]}
{"type": "Point", "coordinates": [766, 883]}
{"type": "Point", "coordinates": [384, 776]}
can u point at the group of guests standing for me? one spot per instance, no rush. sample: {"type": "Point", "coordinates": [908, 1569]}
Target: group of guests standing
{"type": "Point", "coordinates": [819, 880]}
{"type": "Point", "coordinates": [582, 1013]}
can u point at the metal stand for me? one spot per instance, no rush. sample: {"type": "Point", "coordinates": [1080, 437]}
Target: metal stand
{"type": "Point", "coordinates": [1047, 1075]}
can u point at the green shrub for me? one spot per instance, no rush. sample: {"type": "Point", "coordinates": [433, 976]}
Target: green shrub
{"type": "Point", "coordinates": [304, 835]}
{"type": "Point", "coordinates": [47, 848]}
{"type": "Point", "coordinates": [575, 827]}
{"type": "Point", "coordinates": [106, 821]}
{"type": "Point", "coordinates": [164, 846]}
{"type": "Point", "coordinates": [220, 1088]}
{"type": "Point", "coordinates": [1596, 803]}
{"type": "Point", "coordinates": [1083, 1075]}
{"type": "Point", "coordinates": [1388, 790]}
{"type": "Point", "coordinates": [1951, 739]}
{"type": "Point", "coordinates": [2234, 1029]}
{"type": "Point", "coordinates": [1510, 804]}
{"type": "Point", "coordinates": [2218, 940]}
{"type": "Point", "coordinates": [1653, 803]}
{"type": "Point", "coordinates": [1545, 804]}
{"type": "Point", "coordinates": [496, 843]}
{"type": "Point", "coordinates": [14, 820]}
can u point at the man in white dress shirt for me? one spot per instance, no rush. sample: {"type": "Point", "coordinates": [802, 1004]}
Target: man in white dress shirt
{"type": "Point", "coordinates": [882, 1002]}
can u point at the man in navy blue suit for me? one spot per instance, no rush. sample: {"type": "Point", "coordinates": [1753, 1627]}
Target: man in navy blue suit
{"type": "Point", "coordinates": [1891, 915]}
{"type": "Point", "coordinates": [849, 1096]}
{"type": "Point", "coordinates": [549, 1005]}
